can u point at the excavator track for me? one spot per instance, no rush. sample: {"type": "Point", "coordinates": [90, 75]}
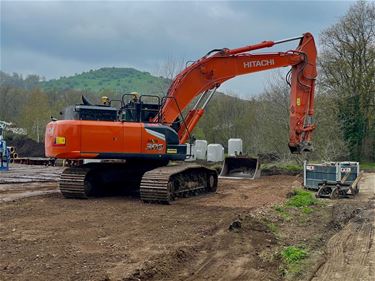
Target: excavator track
{"type": "Point", "coordinates": [153, 184]}
{"type": "Point", "coordinates": [164, 184]}
{"type": "Point", "coordinates": [73, 183]}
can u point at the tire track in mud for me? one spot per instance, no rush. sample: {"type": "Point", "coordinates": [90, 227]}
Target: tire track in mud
{"type": "Point", "coordinates": [222, 255]}
{"type": "Point", "coordinates": [22, 181]}
{"type": "Point", "coordinates": [11, 192]}
{"type": "Point", "coordinates": [350, 253]}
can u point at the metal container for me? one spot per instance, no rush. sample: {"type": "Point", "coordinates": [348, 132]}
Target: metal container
{"type": "Point", "coordinates": [215, 152]}
{"type": "Point", "coordinates": [200, 149]}
{"type": "Point", "coordinates": [235, 147]}
{"type": "Point", "coordinates": [314, 174]}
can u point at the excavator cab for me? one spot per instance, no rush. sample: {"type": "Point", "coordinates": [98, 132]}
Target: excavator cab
{"type": "Point", "coordinates": [140, 108]}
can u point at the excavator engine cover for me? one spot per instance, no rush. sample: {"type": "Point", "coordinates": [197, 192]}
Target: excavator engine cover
{"type": "Point", "coordinates": [239, 167]}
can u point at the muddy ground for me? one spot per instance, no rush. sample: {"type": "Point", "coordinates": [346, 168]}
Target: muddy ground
{"type": "Point", "coordinates": [25, 181]}
{"type": "Point", "coordinates": [47, 237]}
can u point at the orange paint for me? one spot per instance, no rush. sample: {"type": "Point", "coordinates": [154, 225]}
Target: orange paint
{"type": "Point", "coordinates": [86, 139]}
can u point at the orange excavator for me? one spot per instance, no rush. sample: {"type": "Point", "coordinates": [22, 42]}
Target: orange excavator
{"type": "Point", "coordinates": [137, 141]}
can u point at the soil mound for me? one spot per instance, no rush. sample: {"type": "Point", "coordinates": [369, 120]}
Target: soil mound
{"type": "Point", "coordinates": [25, 147]}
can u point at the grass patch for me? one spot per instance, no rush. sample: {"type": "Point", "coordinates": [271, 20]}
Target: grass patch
{"type": "Point", "coordinates": [293, 167]}
{"type": "Point", "coordinates": [272, 227]}
{"type": "Point", "coordinates": [282, 211]}
{"type": "Point", "coordinates": [368, 166]}
{"type": "Point", "coordinates": [302, 199]}
{"type": "Point", "coordinates": [283, 166]}
{"type": "Point", "coordinates": [292, 256]}
{"type": "Point", "coordinates": [307, 210]}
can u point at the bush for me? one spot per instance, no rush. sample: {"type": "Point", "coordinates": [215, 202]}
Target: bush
{"type": "Point", "coordinates": [301, 198]}
{"type": "Point", "coordinates": [293, 254]}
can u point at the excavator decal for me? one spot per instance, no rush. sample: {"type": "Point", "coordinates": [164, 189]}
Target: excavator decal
{"type": "Point", "coordinates": [258, 63]}
{"type": "Point", "coordinates": [156, 134]}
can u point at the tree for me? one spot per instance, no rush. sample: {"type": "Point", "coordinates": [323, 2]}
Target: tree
{"type": "Point", "coordinates": [226, 117]}
{"type": "Point", "coordinates": [35, 114]}
{"type": "Point", "coordinates": [272, 119]}
{"type": "Point", "coordinates": [328, 139]}
{"type": "Point", "coordinates": [347, 63]}
{"type": "Point", "coordinates": [11, 100]}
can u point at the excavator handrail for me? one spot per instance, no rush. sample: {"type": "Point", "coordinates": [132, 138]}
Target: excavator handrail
{"type": "Point", "coordinates": [181, 115]}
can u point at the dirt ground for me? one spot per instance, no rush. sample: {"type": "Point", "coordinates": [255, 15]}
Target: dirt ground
{"type": "Point", "coordinates": [121, 238]}
{"type": "Point", "coordinates": [350, 253]}
{"type": "Point", "coordinates": [47, 237]}
{"type": "Point", "coordinates": [25, 181]}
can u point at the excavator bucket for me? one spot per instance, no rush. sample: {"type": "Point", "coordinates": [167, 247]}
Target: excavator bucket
{"type": "Point", "coordinates": [240, 167]}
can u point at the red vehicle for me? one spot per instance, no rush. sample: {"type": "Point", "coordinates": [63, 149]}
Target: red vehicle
{"type": "Point", "coordinates": [147, 131]}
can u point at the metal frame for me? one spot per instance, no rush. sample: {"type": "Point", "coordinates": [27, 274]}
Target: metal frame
{"type": "Point", "coordinates": [4, 156]}
{"type": "Point", "coordinates": [134, 107]}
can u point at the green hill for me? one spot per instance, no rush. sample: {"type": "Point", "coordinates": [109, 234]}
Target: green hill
{"type": "Point", "coordinates": [112, 79]}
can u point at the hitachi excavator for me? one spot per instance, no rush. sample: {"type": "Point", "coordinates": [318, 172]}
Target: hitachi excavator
{"type": "Point", "coordinates": [137, 140]}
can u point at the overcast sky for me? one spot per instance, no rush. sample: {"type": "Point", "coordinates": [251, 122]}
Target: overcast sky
{"type": "Point", "coordinates": [61, 38]}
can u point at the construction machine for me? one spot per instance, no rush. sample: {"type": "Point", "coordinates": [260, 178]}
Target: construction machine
{"type": "Point", "coordinates": [138, 140]}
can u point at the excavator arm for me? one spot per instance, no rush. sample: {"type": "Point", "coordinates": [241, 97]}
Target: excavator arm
{"type": "Point", "coordinates": [218, 66]}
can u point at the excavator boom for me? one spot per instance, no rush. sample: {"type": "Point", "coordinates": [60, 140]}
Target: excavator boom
{"type": "Point", "coordinates": [212, 70]}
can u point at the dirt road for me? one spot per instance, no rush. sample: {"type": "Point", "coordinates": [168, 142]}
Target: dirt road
{"type": "Point", "coordinates": [351, 252]}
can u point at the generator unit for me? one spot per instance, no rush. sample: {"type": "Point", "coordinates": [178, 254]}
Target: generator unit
{"type": "Point", "coordinates": [315, 174]}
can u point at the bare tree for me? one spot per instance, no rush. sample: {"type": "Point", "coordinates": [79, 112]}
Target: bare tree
{"type": "Point", "coordinates": [169, 69]}
{"type": "Point", "coordinates": [272, 118]}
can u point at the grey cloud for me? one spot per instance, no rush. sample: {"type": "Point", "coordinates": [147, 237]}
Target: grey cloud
{"type": "Point", "coordinates": [53, 38]}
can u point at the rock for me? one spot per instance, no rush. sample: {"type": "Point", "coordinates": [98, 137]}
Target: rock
{"type": "Point", "coordinates": [235, 225]}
